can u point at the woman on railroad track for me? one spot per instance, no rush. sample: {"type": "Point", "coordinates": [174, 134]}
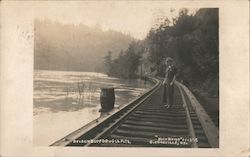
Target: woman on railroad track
{"type": "Point", "coordinates": [168, 83]}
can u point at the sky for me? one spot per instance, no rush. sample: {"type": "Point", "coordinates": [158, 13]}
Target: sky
{"type": "Point", "coordinates": [130, 17]}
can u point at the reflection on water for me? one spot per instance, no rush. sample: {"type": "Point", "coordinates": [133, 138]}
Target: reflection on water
{"type": "Point", "coordinates": [65, 101]}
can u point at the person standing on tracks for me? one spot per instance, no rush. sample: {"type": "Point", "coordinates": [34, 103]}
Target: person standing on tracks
{"type": "Point", "coordinates": [168, 83]}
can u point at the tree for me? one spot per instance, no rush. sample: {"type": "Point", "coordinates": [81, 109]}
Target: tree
{"type": "Point", "coordinates": [192, 40]}
{"type": "Point", "coordinates": [108, 62]}
{"type": "Point", "coordinates": [127, 62]}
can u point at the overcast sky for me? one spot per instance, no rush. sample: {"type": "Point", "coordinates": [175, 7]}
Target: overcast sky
{"type": "Point", "coordinates": [134, 18]}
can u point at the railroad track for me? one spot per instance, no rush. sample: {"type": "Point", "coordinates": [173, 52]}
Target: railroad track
{"type": "Point", "coordinates": [146, 122]}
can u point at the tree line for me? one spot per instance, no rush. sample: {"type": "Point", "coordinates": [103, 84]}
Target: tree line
{"type": "Point", "coordinates": [190, 39]}
{"type": "Point", "coordinates": [74, 47]}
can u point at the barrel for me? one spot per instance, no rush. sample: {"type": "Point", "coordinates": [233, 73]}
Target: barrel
{"type": "Point", "coordinates": [107, 99]}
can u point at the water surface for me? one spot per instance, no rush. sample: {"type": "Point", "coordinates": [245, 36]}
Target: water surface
{"type": "Point", "coordinates": [64, 100]}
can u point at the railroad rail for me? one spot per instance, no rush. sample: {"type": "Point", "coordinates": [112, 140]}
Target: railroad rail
{"type": "Point", "coordinates": [146, 122]}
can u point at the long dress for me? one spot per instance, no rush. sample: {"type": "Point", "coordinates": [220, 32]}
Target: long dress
{"type": "Point", "coordinates": [168, 92]}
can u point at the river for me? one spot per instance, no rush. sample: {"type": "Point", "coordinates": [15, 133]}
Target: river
{"type": "Point", "coordinates": [65, 101]}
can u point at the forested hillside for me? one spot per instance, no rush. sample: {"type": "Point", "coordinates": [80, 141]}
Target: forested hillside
{"type": "Point", "coordinates": [60, 46]}
{"type": "Point", "coordinates": [192, 40]}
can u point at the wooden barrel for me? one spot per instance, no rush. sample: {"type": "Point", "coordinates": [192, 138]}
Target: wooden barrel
{"type": "Point", "coordinates": [107, 99]}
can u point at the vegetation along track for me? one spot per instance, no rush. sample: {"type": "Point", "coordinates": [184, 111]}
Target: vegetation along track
{"type": "Point", "coordinates": [146, 122]}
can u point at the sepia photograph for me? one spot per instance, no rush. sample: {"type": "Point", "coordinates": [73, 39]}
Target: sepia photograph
{"type": "Point", "coordinates": [139, 77]}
